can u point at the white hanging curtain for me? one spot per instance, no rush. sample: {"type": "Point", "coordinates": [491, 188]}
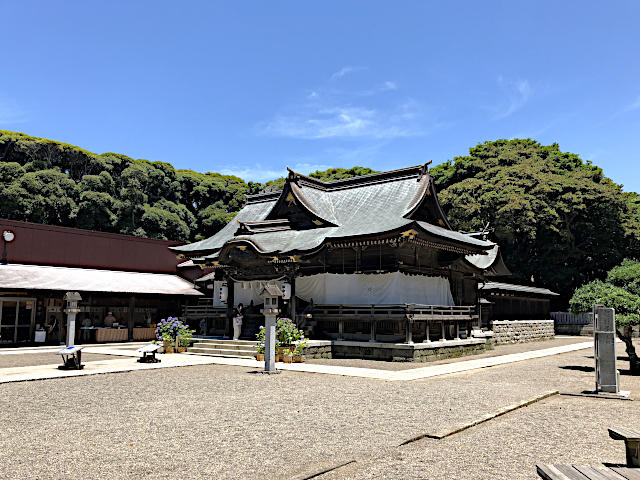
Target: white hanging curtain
{"type": "Point", "coordinates": [384, 288]}
{"type": "Point", "coordinates": [245, 292]}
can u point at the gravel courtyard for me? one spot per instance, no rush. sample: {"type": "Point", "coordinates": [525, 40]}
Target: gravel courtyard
{"type": "Point", "coordinates": [224, 422]}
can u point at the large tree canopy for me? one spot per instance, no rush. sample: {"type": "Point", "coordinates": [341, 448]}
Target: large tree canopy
{"type": "Point", "coordinates": [559, 221]}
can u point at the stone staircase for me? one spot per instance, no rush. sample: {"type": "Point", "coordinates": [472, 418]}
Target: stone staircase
{"type": "Point", "coordinates": [225, 348]}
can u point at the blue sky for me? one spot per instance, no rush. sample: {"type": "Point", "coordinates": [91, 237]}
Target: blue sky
{"type": "Point", "coordinates": [252, 87]}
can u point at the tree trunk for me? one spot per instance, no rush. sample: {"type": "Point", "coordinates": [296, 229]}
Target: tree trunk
{"type": "Point", "coordinates": [626, 336]}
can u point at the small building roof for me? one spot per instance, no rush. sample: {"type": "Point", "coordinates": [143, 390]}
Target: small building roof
{"type": "Point", "coordinates": [492, 263]}
{"type": "Point", "coordinates": [44, 277]}
{"type": "Point", "coordinates": [273, 290]}
{"type": "Point", "coordinates": [496, 286]}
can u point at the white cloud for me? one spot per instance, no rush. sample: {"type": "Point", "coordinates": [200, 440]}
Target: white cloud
{"type": "Point", "coordinates": [257, 173]}
{"type": "Point", "coordinates": [387, 86]}
{"type": "Point", "coordinates": [345, 71]}
{"type": "Point", "coordinates": [344, 121]}
{"type": "Point", "coordinates": [517, 93]}
{"type": "Point", "coordinates": [329, 112]}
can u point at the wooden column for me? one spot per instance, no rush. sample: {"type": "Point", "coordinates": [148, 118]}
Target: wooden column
{"type": "Point", "coordinates": [426, 337]}
{"type": "Point", "coordinates": [409, 332]}
{"type": "Point", "coordinates": [457, 330]}
{"type": "Point", "coordinates": [292, 305]}
{"type": "Point", "coordinates": [228, 328]}
{"type": "Point", "coordinates": [372, 334]}
{"type": "Point", "coordinates": [340, 329]}
{"type": "Point", "coordinates": [443, 337]}
{"type": "Point", "coordinates": [132, 311]}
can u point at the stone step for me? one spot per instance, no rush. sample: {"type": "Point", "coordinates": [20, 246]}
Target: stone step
{"type": "Point", "coordinates": [226, 342]}
{"type": "Point", "coordinates": [223, 352]}
{"type": "Point", "coordinates": [228, 346]}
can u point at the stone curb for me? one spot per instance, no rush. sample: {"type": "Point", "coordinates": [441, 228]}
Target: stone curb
{"type": "Point", "coordinates": [321, 471]}
{"type": "Point", "coordinates": [446, 433]}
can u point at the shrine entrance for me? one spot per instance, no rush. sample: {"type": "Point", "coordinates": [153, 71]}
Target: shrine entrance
{"type": "Point", "coordinates": [17, 319]}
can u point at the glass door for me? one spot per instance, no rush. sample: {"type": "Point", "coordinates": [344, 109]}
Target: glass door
{"type": "Point", "coordinates": [17, 316]}
{"type": "Point", "coordinates": [8, 314]}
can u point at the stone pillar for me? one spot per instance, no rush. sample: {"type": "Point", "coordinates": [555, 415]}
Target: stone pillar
{"type": "Point", "coordinates": [457, 330]}
{"type": "Point", "coordinates": [270, 343]}
{"type": "Point", "coordinates": [72, 299]}
{"type": "Point", "coordinates": [426, 336]}
{"type": "Point", "coordinates": [443, 336]}
{"type": "Point", "coordinates": [604, 329]}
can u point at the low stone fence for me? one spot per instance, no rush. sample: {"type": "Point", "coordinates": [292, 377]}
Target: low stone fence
{"type": "Point", "coordinates": [397, 352]}
{"type": "Point", "coordinates": [520, 331]}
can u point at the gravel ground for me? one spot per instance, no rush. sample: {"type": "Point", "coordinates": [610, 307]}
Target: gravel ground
{"type": "Point", "coordinates": [498, 350]}
{"type": "Point", "coordinates": [560, 429]}
{"type": "Point", "coordinates": [33, 359]}
{"type": "Point", "coordinates": [224, 422]}
{"type": "Point", "coordinates": [557, 430]}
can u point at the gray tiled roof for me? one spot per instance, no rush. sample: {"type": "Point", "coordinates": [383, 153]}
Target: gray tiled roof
{"type": "Point", "coordinates": [488, 286]}
{"type": "Point", "coordinates": [367, 205]}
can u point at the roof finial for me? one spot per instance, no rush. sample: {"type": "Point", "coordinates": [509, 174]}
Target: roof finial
{"type": "Point", "coordinates": [425, 169]}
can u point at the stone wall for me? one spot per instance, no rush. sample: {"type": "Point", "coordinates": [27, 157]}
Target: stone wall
{"type": "Point", "coordinates": [520, 331]}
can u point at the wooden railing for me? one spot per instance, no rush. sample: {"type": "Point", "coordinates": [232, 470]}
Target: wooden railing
{"type": "Point", "coordinates": [411, 312]}
{"type": "Point", "coordinates": [203, 311]}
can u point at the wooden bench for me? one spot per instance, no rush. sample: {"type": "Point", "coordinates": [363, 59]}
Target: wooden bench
{"type": "Point", "coordinates": [631, 442]}
{"type": "Point", "coordinates": [579, 472]}
{"type": "Point", "coordinates": [630, 471]}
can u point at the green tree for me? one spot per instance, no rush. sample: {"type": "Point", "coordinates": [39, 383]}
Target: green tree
{"type": "Point", "coordinates": [557, 219]}
{"type": "Point", "coordinates": [621, 292]}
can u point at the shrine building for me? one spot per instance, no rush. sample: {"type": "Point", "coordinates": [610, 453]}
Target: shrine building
{"type": "Point", "coordinates": [368, 259]}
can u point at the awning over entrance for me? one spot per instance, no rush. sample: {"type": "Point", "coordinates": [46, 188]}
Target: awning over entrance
{"type": "Point", "coordinates": [43, 277]}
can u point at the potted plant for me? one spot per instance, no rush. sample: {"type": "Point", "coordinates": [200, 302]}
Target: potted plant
{"type": "Point", "coordinates": [260, 337]}
{"type": "Point", "coordinates": [184, 336]}
{"type": "Point", "coordinates": [167, 330]}
{"type": "Point", "coordinates": [287, 335]}
{"type": "Point", "coordinates": [299, 350]}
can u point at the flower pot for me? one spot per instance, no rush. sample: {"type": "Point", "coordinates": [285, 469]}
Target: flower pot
{"type": "Point", "coordinates": [168, 347]}
{"type": "Point", "coordinates": [297, 359]}
{"type": "Point", "coordinates": [260, 357]}
{"type": "Point", "coordinates": [182, 349]}
{"type": "Point", "coordinates": [287, 358]}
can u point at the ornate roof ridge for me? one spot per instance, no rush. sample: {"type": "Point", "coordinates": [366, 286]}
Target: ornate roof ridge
{"type": "Point", "coordinates": [263, 197]}
{"type": "Point", "coordinates": [373, 178]}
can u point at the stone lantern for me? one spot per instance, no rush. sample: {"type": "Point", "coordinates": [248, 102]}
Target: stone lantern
{"type": "Point", "coordinates": [270, 310]}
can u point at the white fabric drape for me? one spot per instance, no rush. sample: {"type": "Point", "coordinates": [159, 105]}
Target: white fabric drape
{"type": "Point", "coordinates": [384, 288]}
{"type": "Point", "coordinates": [244, 292]}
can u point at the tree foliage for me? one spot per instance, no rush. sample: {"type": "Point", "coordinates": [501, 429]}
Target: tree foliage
{"type": "Point", "coordinates": [621, 293]}
{"type": "Point", "coordinates": [51, 182]}
{"type": "Point", "coordinates": [559, 221]}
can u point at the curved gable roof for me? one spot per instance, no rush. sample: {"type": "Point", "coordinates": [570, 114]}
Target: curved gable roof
{"type": "Point", "coordinates": [366, 205]}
